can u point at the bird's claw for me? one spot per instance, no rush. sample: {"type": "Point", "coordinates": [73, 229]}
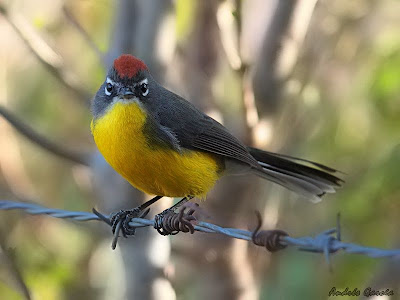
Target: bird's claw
{"type": "Point", "coordinates": [120, 220]}
{"type": "Point", "coordinates": [170, 222]}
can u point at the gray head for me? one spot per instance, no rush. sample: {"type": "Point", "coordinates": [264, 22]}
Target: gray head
{"type": "Point", "coordinates": [127, 80]}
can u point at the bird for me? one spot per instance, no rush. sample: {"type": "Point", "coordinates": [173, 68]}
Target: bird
{"type": "Point", "coordinates": [164, 146]}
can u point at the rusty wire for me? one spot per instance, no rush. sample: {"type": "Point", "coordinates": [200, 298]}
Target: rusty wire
{"type": "Point", "coordinates": [270, 239]}
{"type": "Point", "coordinates": [170, 223]}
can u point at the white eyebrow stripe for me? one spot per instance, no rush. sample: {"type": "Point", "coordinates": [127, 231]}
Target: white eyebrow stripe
{"type": "Point", "coordinates": [144, 81]}
{"type": "Point", "coordinates": [108, 80]}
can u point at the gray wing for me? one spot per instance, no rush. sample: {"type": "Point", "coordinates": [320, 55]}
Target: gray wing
{"type": "Point", "coordinates": [218, 140]}
{"type": "Point", "coordinates": [192, 129]}
{"type": "Point", "coordinates": [195, 130]}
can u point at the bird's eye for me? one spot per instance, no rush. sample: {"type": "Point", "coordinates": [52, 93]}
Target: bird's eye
{"type": "Point", "coordinates": [144, 89]}
{"type": "Point", "coordinates": [109, 88]}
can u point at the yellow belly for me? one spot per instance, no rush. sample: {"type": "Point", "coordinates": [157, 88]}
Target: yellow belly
{"type": "Point", "coordinates": [158, 171]}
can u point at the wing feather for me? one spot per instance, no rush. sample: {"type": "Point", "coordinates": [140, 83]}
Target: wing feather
{"type": "Point", "coordinates": [195, 130]}
{"type": "Point", "coordinates": [217, 140]}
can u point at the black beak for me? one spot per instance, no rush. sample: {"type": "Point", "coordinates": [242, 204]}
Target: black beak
{"type": "Point", "coordinates": [126, 93]}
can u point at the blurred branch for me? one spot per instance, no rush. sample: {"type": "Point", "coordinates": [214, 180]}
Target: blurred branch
{"type": "Point", "coordinates": [151, 15]}
{"type": "Point", "coordinates": [214, 35]}
{"type": "Point", "coordinates": [135, 25]}
{"type": "Point", "coordinates": [229, 17]}
{"type": "Point", "coordinates": [280, 50]}
{"type": "Point", "coordinates": [199, 61]}
{"type": "Point", "coordinates": [122, 38]}
{"type": "Point", "coordinates": [41, 140]}
{"type": "Point", "coordinates": [45, 54]}
{"type": "Point", "coordinates": [229, 23]}
{"type": "Point", "coordinates": [71, 18]}
{"type": "Point", "coordinates": [273, 240]}
{"type": "Point", "coordinates": [16, 278]}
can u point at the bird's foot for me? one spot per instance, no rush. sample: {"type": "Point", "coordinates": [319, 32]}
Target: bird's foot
{"type": "Point", "coordinates": [119, 221]}
{"type": "Point", "coordinates": [170, 222]}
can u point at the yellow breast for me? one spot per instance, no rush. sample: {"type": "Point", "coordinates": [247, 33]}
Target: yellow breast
{"type": "Point", "coordinates": [154, 170]}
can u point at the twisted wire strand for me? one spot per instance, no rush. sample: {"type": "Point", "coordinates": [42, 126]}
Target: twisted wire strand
{"type": "Point", "coordinates": [36, 209]}
{"type": "Point", "coordinates": [324, 242]}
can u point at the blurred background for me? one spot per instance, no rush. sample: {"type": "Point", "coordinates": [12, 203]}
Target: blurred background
{"type": "Point", "coordinates": [314, 79]}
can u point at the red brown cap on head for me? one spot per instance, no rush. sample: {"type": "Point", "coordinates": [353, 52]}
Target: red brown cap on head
{"type": "Point", "coordinates": [128, 66]}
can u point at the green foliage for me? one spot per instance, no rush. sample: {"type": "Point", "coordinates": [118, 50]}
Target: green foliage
{"type": "Point", "coordinates": [385, 87]}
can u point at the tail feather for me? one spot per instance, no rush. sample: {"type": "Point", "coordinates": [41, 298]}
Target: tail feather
{"type": "Point", "coordinates": [301, 187]}
{"type": "Point", "coordinates": [291, 158]}
{"type": "Point", "coordinates": [311, 182]}
{"type": "Point", "coordinates": [324, 186]}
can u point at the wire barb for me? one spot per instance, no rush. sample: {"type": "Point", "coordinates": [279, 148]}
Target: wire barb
{"type": "Point", "coordinates": [270, 239]}
{"type": "Point", "coordinates": [102, 217]}
{"type": "Point", "coordinates": [119, 222]}
{"type": "Point", "coordinates": [170, 223]}
{"type": "Point", "coordinates": [116, 234]}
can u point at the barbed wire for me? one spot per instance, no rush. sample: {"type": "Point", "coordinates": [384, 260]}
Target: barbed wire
{"type": "Point", "coordinates": [327, 242]}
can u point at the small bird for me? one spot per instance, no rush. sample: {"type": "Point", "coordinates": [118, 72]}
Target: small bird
{"type": "Point", "coordinates": [164, 146]}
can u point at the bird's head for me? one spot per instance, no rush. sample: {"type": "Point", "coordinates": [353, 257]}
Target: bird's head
{"type": "Point", "coordinates": [127, 81]}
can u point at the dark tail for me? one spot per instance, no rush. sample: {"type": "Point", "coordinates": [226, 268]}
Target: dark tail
{"type": "Point", "coordinates": [312, 181]}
